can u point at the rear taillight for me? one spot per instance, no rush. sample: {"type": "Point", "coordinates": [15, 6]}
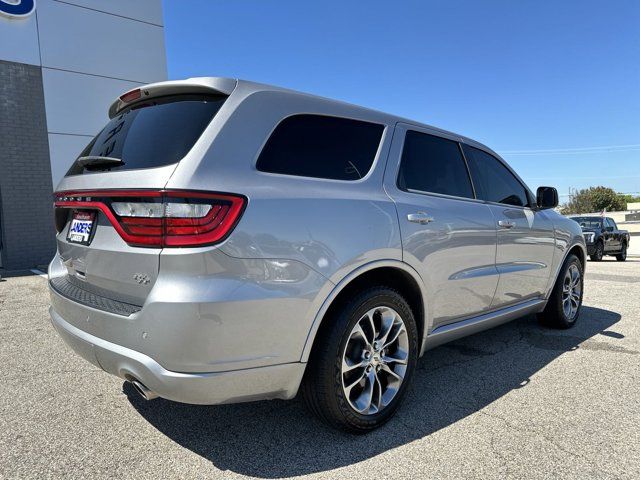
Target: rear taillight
{"type": "Point", "coordinates": [166, 218]}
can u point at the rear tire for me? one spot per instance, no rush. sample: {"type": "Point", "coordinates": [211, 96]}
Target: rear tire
{"type": "Point", "coordinates": [622, 256]}
{"type": "Point", "coordinates": [352, 354]}
{"type": "Point", "coordinates": [599, 253]}
{"type": "Point", "coordinates": [565, 302]}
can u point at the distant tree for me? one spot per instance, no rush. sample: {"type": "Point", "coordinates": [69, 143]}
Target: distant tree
{"type": "Point", "coordinates": [594, 199]}
{"type": "Point", "coordinates": [603, 197]}
{"type": "Point", "coordinates": [627, 198]}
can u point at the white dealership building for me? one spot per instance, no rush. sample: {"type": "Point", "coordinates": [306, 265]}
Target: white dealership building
{"type": "Point", "coordinates": [61, 65]}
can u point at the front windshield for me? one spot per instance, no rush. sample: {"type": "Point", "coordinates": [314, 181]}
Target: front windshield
{"type": "Point", "coordinates": [588, 222]}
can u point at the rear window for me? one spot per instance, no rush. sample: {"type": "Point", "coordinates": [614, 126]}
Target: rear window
{"type": "Point", "coordinates": [153, 134]}
{"type": "Point", "coordinates": [322, 147]}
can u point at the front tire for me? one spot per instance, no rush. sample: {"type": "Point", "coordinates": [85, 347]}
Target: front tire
{"type": "Point", "coordinates": [565, 302]}
{"type": "Point", "coordinates": [622, 256]}
{"type": "Point", "coordinates": [363, 361]}
{"type": "Point", "coordinates": [599, 253]}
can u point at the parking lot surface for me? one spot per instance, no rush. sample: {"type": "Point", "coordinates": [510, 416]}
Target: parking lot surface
{"type": "Point", "coordinates": [516, 401]}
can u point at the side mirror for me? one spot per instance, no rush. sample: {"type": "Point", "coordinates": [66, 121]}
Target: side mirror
{"type": "Point", "coordinates": [547, 197]}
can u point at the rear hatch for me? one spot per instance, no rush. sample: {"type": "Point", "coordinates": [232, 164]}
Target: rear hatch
{"type": "Point", "coordinates": [111, 208]}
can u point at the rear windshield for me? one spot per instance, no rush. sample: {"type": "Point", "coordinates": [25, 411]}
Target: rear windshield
{"type": "Point", "coordinates": [152, 134]}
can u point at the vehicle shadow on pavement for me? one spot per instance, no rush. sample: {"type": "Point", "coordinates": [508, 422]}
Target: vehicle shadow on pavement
{"type": "Point", "coordinates": [280, 439]}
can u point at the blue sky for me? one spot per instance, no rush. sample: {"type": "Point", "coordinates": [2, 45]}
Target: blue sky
{"type": "Point", "coordinates": [558, 83]}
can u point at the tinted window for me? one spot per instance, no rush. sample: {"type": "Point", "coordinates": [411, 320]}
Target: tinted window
{"type": "Point", "coordinates": [433, 164]}
{"type": "Point", "coordinates": [588, 222]}
{"type": "Point", "coordinates": [322, 147]}
{"type": "Point", "coordinates": [153, 134]}
{"type": "Point", "coordinates": [493, 181]}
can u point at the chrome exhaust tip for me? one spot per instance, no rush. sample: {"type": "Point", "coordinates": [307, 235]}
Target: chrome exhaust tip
{"type": "Point", "coordinates": [143, 390]}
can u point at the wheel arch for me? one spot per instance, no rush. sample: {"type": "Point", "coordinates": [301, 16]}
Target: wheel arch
{"type": "Point", "coordinates": [579, 252]}
{"type": "Point", "coordinates": [392, 273]}
{"type": "Point", "coordinates": [577, 249]}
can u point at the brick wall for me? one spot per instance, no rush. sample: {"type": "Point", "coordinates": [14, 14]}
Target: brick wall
{"type": "Point", "coordinates": [26, 215]}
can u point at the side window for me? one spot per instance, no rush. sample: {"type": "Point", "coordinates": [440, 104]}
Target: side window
{"type": "Point", "coordinates": [433, 164]}
{"type": "Point", "coordinates": [322, 147]}
{"type": "Point", "coordinates": [493, 181]}
{"type": "Point", "coordinates": [611, 223]}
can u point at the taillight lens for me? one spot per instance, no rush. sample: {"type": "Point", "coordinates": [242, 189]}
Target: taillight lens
{"type": "Point", "coordinates": [131, 95]}
{"type": "Point", "coordinates": [166, 218]}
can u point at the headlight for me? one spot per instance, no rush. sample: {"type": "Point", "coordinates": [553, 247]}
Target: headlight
{"type": "Point", "coordinates": [588, 237]}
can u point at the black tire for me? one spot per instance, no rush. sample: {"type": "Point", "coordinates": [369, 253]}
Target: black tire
{"type": "Point", "coordinates": [554, 314]}
{"type": "Point", "coordinates": [322, 387]}
{"type": "Point", "coordinates": [622, 256]}
{"type": "Point", "coordinates": [599, 252]}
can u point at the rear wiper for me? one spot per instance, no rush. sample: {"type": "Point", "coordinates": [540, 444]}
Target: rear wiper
{"type": "Point", "coordinates": [95, 161]}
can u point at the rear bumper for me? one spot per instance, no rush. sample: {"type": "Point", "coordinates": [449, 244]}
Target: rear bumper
{"type": "Point", "coordinates": [205, 313]}
{"type": "Point", "coordinates": [276, 381]}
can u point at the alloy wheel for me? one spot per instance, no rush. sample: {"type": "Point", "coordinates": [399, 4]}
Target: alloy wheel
{"type": "Point", "coordinates": [571, 292]}
{"type": "Point", "coordinates": [374, 362]}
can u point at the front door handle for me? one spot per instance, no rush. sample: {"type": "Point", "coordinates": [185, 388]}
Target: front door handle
{"type": "Point", "coordinates": [506, 224]}
{"type": "Point", "coordinates": [420, 217]}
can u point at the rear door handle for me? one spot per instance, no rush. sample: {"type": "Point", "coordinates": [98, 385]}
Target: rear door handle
{"type": "Point", "coordinates": [506, 224]}
{"type": "Point", "coordinates": [420, 217]}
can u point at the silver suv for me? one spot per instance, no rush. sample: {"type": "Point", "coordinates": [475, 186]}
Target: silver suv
{"type": "Point", "coordinates": [225, 241]}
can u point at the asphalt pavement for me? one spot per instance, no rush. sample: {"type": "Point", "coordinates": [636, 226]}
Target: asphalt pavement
{"type": "Point", "coordinates": [518, 401]}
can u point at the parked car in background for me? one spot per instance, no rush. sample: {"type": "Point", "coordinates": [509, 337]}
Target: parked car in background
{"type": "Point", "coordinates": [603, 237]}
{"type": "Point", "coordinates": [224, 241]}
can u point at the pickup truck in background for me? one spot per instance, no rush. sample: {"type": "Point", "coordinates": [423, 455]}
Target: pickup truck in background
{"type": "Point", "coordinates": [603, 237]}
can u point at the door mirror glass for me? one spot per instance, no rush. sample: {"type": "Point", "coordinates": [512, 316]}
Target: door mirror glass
{"type": "Point", "coordinates": [547, 197]}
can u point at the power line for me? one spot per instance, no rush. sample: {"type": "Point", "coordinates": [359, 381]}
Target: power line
{"type": "Point", "coordinates": [619, 193]}
{"type": "Point", "coordinates": [574, 151]}
{"type": "Point", "coordinates": [599, 177]}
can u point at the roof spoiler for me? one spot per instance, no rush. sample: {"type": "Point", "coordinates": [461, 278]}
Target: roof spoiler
{"type": "Point", "coordinates": [208, 85]}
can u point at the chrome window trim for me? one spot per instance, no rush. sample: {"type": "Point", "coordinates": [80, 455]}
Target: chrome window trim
{"type": "Point", "coordinates": [441, 195]}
